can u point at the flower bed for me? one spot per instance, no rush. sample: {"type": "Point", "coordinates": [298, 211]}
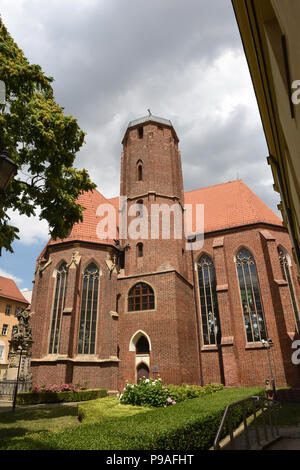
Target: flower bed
{"type": "Point", "coordinates": [59, 388]}
{"type": "Point", "coordinates": [154, 393]}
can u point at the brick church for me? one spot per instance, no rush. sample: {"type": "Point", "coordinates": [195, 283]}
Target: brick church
{"type": "Point", "coordinates": [110, 309]}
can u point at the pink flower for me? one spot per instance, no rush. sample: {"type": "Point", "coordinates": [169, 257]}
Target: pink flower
{"type": "Point", "coordinates": [169, 400]}
{"type": "Point", "coordinates": [173, 402]}
{"type": "Point", "coordinates": [165, 406]}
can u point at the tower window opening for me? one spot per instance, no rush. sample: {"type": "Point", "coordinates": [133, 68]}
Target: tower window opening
{"type": "Point", "coordinates": [140, 172]}
{"type": "Point", "coordinates": [139, 250]}
{"type": "Point", "coordinates": [140, 208]}
{"type": "Point", "coordinates": [141, 132]}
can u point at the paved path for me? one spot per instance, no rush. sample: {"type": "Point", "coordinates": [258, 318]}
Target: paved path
{"type": "Point", "coordinates": [289, 438]}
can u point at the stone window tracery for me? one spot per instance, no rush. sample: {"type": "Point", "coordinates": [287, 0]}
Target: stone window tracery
{"type": "Point", "coordinates": [58, 306]}
{"type": "Point", "coordinates": [250, 297]}
{"type": "Point", "coordinates": [89, 310]}
{"type": "Point", "coordinates": [208, 301]}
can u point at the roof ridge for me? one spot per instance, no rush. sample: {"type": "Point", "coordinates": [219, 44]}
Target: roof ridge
{"type": "Point", "coordinates": [214, 185]}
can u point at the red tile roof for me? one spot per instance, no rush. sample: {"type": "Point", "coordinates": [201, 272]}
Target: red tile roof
{"type": "Point", "coordinates": [10, 290]}
{"type": "Point", "coordinates": [229, 205]}
{"type": "Point", "coordinates": [226, 205]}
{"type": "Point", "coordinates": [87, 230]}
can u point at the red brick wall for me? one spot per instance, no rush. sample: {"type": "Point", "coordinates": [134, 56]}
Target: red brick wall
{"type": "Point", "coordinates": [247, 364]}
{"type": "Point", "coordinates": [174, 326]}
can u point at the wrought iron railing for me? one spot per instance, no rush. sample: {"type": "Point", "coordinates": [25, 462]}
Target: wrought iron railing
{"type": "Point", "coordinates": [7, 388]}
{"type": "Point", "coordinates": [262, 429]}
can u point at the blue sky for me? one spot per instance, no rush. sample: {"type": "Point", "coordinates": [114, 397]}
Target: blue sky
{"type": "Point", "coordinates": [112, 60]}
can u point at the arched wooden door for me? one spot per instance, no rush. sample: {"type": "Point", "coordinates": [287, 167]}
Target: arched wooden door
{"type": "Point", "coordinates": [142, 371]}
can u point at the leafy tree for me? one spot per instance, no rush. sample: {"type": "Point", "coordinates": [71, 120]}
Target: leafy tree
{"type": "Point", "coordinates": [43, 142]}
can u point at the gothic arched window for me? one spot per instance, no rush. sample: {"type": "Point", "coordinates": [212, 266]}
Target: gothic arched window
{"type": "Point", "coordinates": [140, 297]}
{"type": "Point", "coordinates": [139, 250]}
{"type": "Point", "coordinates": [89, 310]}
{"type": "Point", "coordinates": [140, 207]}
{"type": "Point", "coordinates": [58, 306]}
{"type": "Point", "coordinates": [139, 171]}
{"type": "Point", "coordinates": [286, 273]}
{"type": "Point", "coordinates": [208, 301]}
{"type": "Point", "coordinates": [250, 297]}
{"type": "Point", "coordinates": [142, 346]}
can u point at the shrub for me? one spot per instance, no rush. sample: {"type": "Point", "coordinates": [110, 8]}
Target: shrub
{"type": "Point", "coordinates": [33, 398]}
{"type": "Point", "coordinates": [191, 425]}
{"type": "Point", "coordinates": [148, 392]}
{"type": "Point", "coordinates": [153, 393]}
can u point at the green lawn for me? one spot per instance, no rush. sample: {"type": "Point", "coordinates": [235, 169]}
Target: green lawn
{"type": "Point", "coordinates": [95, 411]}
{"type": "Point", "coordinates": [34, 422]}
{"type": "Point", "coordinates": [109, 426]}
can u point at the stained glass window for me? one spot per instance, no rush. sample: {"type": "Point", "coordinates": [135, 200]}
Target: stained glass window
{"type": "Point", "coordinates": [58, 306]}
{"type": "Point", "coordinates": [88, 310]}
{"type": "Point", "coordinates": [250, 297]}
{"type": "Point", "coordinates": [208, 301]}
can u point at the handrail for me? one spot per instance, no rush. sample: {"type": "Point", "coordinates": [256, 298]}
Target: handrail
{"type": "Point", "coordinates": [266, 406]}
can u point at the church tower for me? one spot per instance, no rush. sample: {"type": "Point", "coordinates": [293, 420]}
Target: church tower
{"type": "Point", "coordinates": [151, 182]}
{"type": "Point", "coordinates": [157, 333]}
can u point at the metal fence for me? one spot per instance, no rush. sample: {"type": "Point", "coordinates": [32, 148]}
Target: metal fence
{"type": "Point", "coordinates": [261, 431]}
{"type": "Point", "coordinates": [7, 388]}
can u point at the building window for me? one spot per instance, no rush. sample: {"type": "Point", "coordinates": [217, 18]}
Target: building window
{"type": "Point", "coordinates": [58, 306]}
{"type": "Point", "coordinates": [4, 330]}
{"type": "Point", "coordinates": [140, 208]}
{"type": "Point", "coordinates": [142, 346]}
{"type": "Point", "coordinates": [89, 310]}
{"type": "Point", "coordinates": [17, 310]}
{"type": "Point", "coordinates": [141, 132]}
{"type": "Point", "coordinates": [140, 171]}
{"type": "Point", "coordinates": [286, 273]}
{"type": "Point", "coordinates": [140, 297]}
{"type": "Point", "coordinates": [250, 297]}
{"type": "Point", "coordinates": [7, 309]}
{"type": "Point", "coordinates": [208, 301]}
{"type": "Point", "coordinates": [2, 349]}
{"type": "Point", "coordinates": [139, 250]}
{"type": "Point", "coordinates": [117, 302]}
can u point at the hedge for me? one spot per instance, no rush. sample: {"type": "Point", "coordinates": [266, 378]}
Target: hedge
{"type": "Point", "coordinates": [30, 398]}
{"type": "Point", "coordinates": [189, 425]}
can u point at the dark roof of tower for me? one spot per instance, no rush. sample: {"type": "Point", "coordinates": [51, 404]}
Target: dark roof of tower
{"type": "Point", "coordinates": [151, 118]}
{"type": "Point", "coordinates": [148, 119]}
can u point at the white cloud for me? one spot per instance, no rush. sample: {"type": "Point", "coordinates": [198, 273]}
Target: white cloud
{"type": "Point", "coordinates": [4, 273]}
{"type": "Point", "coordinates": [32, 230]}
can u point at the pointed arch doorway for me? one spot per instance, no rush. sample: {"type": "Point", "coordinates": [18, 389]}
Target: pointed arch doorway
{"type": "Point", "coordinates": [141, 345]}
{"type": "Point", "coordinates": [142, 370]}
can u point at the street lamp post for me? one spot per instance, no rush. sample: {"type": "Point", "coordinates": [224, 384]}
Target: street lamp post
{"type": "Point", "coordinates": [21, 348]}
{"type": "Point", "coordinates": [8, 169]}
{"type": "Point", "coordinates": [267, 345]}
